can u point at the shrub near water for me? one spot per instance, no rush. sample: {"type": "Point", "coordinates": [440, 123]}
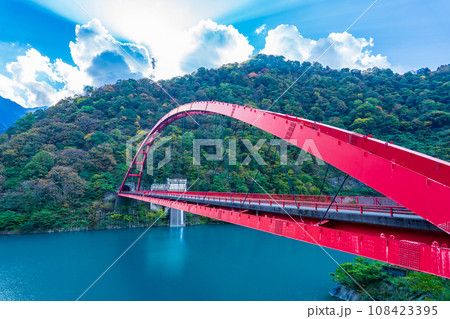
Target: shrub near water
{"type": "Point", "coordinates": [380, 285]}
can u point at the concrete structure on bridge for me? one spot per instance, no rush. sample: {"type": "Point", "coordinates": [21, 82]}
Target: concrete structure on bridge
{"type": "Point", "coordinates": [177, 218]}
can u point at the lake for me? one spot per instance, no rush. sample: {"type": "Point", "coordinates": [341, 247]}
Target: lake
{"type": "Point", "coordinates": [209, 262]}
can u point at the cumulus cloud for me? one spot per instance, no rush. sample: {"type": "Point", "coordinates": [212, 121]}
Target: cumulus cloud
{"type": "Point", "coordinates": [105, 59]}
{"type": "Point", "coordinates": [33, 80]}
{"type": "Point", "coordinates": [348, 51]}
{"type": "Point", "coordinates": [212, 45]}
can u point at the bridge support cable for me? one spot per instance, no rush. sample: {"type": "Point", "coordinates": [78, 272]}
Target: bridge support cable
{"type": "Point", "coordinates": [289, 181]}
{"type": "Point", "coordinates": [324, 178]}
{"type": "Point", "coordinates": [251, 186]}
{"type": "Point", "coordinates": [332, 201]}
{"type": "Point", "coordinates": [226, 162]}
{"type": "Point", "coordinates": [233, 134]}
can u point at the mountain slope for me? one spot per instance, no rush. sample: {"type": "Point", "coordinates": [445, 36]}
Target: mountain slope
{"type": "Point", "coordinates": [57, 165]}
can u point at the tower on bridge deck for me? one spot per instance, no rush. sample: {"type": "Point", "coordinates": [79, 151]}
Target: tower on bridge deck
{"type": "Point", "coordinates": [177, 217]}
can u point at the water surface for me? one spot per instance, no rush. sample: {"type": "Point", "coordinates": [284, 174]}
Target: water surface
{"type": "Point", "coordinates": [210, 262]}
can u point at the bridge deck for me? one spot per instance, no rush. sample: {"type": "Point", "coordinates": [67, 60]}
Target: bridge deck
{"type": "Point", "coordinates": [358, 204]}
{"type": "Point", "coordinates": [380, 214]}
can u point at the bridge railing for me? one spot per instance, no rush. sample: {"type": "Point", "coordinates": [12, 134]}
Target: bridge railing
{"type": "Point", "coordinates": [359, 200]}
{"type": "Point", "coordinates": [317, 202]}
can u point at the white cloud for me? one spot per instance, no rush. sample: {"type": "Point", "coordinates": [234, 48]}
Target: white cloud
{"type": "Point", "coordinates": [348, 51]}
{"type": "Point", "coordinates": [12, 90]}
{"type": "Point", "coordinates": [160, 25]}
{"type": "Point", "coordinates": [105, 59]}
{"type": "Point", "coordinates": [33, 80]}
{"type": "Point", "coordinates": [212, 45]}
{"type": "Point", "coordinates": [9, 52]}
{"type": "Point", "coordinates": [261, 29]}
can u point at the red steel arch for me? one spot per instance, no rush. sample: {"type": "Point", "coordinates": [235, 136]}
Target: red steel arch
{"type": "Point", "coordinates": [419, 182]}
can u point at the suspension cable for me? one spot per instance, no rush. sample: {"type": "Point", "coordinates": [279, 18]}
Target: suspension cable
{"type": "Point", "coordinates": [340, 187]}
{"type": "Point", "coordinates": [324, 178]}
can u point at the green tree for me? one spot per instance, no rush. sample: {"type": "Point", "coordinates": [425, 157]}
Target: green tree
{"type": "Point", "coordinates": [102, 183]}
{"type": "Point", "coordinates": [366, 124]}
{"type": "Point", "coordinates": [363, 271]}
{"type": "Point", "coordinates": [316, 114]}
{"type": "Point", "coordinates": [38, 166]}
{"type": "Point", "coordinates": [10, 220]}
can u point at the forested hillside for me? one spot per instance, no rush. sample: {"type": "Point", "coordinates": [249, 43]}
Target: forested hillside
{"type": "Point", "coordinates": [56, 165]}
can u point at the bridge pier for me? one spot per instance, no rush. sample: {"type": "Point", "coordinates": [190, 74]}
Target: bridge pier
{"type": "Point", "coordinates": [177, 217]}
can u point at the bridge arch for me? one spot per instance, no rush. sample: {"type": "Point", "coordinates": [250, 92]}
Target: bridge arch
{"type": "Point", "coordinates": [419, 182]}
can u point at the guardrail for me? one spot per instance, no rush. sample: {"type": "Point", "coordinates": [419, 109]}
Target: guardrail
{"type": "Point", "coordinates": [317, 202]}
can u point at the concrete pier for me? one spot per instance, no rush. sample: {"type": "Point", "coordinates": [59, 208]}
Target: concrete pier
{"type": "Point", "coordinates": [177, 218]}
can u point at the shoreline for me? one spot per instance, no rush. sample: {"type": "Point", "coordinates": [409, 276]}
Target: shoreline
{"type": "Point", "coordinates": [82, 229]}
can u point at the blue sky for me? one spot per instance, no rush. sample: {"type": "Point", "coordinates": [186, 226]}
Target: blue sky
{"type": "Point", "coordinates": [44, 56]}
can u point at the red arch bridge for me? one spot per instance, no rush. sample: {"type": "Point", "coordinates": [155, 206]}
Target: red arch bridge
{"type": "Point", "coordinates": [409, 227]}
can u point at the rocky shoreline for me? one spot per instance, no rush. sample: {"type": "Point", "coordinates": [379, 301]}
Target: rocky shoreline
{"type": "Point", "coordinates": [345, 293]}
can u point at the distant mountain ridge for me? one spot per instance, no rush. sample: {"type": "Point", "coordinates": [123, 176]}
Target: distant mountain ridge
{"type": "Point", "coordinates": [10, 112]}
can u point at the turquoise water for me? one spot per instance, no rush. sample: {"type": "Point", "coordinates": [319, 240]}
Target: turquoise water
{"type": "Point", "coordinates": [211, 262]}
